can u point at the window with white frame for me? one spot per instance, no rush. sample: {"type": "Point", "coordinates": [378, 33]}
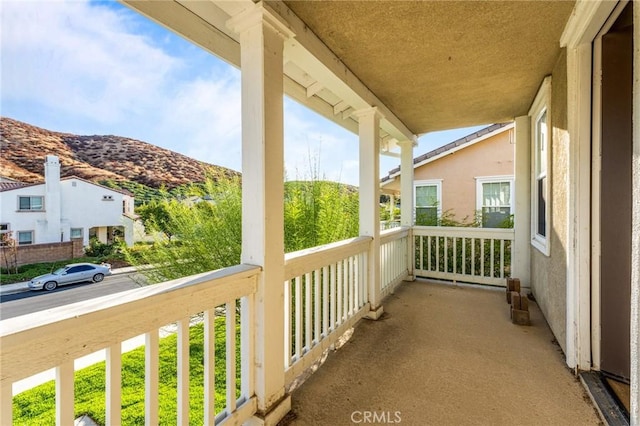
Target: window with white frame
{"type": "Point", "coordinates": [494, 201]}
{"type": "Point", "coordinates": [540, 142]}
{"type": "Point", "coordinates": [5, 234]}
{"type": "Point", "coordinates": [25, 238]}
{"type": "Point", "coordinates": [427, 202]}
{"type": "Point", "coordinates": [30, 203]}
{"type": "Point", "coordinates": [76, 233]}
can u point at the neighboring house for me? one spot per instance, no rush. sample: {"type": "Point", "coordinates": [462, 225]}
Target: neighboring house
{"type": "Point", "coordinates": [59, 210]}
{"type": "Point", "coordinates": [469, 178]}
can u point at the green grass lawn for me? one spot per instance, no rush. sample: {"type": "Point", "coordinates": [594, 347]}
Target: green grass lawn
{"type": "Point", "coordinates": [37, 406]}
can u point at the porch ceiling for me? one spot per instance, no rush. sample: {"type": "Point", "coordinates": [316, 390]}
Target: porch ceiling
{"type": "Point", "coordinates": [442, 64]}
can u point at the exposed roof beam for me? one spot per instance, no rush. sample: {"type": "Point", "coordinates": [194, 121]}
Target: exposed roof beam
{"type": "Point", "coordinates": [204, 23]}
{"type": "Point", "coordinates": [313, 89]}
{"type": "Point", "coordinates": [312, 54]}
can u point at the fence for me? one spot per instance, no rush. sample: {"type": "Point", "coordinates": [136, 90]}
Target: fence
{"type": "Point", "coordinates": [474, 255]}
{"type": "Point", "coordinates": [325, 294]}
{"type": "Point", "coordinates": [33, 344]}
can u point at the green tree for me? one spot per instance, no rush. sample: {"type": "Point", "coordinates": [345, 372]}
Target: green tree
{"type": "Point", "coordinates": [206, 235]}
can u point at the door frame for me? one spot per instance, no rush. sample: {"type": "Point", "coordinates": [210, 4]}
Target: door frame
{"type": "Point", "coordinates": [596, 167]}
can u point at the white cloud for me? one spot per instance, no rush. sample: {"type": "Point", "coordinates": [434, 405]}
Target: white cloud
{"type": "Point", "coordinates": [94, 68]}
{"type": "Point", "coordinates": [80, 59]}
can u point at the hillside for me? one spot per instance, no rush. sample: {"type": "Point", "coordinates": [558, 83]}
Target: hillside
{"type": "Point", "coordinates": [121, 161]}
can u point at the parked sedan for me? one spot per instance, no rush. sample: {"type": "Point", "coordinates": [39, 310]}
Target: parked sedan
{"type": "Point", "coordinates": [70, 274]}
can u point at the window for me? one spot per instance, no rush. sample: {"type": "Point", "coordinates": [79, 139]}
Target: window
{"type": "Point", "coordinates": [5, 234]}
{"type": "Point", "coordinates": [494, 200]}
{"type": "Point", "coordinates": [427, 202]}
{"type": "Point", "coordinates": [25, 238]}
{"type": "Point", "coordinates": [30, 203]}
{"type": "Point", "coordinates": [540, 206]}
{"type": "Point", "coordinates": [76, 233]}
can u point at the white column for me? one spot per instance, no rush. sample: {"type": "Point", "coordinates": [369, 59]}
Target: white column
{"type": "Point", "coordinates": [369, 129]}
{"type": "Point", "coordinates": [521, 259]}
{"type": "Point", "coordinates": [578, 253]}
{"type": "Point", "coordinates": [635, 228]}
{"type": "Point", "coordinates": [406, 199]}
{"type": "Point", "coordinates": [406, 183]}
{"type": "Point", "coordinates": [261, 45]}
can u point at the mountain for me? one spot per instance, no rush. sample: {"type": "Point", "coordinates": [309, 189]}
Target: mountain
{"type": "Point", "coordinates": [118, 160]}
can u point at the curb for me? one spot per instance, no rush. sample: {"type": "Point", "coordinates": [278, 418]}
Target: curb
{"type": "Point", "coordinates": [21, 287]}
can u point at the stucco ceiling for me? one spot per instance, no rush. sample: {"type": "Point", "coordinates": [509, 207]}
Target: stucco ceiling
{"type": "Point", "coordinates": [444, 64]}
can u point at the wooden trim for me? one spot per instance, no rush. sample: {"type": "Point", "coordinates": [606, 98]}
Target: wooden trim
{"type": "Point", "coordinates": [32, 343]}
{"type": "Point", "coordinates": [300, 262]}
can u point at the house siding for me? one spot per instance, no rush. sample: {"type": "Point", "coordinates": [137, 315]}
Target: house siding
{"type": "Point", "coordinates": [458, 170]}
{"type": "Point", "coordinates": [549, 273]}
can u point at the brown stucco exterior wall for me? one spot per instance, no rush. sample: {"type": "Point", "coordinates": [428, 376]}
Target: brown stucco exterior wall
{"type": "Point", "coordinates": [549, 273]}
{"type": "Point", "coordinates": [490, 157]}
{"type": "Point", "coordinates": [37, 253]}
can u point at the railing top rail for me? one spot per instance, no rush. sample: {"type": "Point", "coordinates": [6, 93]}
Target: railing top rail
{"type": "Point", "coordinates": [36, 342]}
{"type": "Point", "coordinates": [469, 232]}
{"type": "Point", "coordinates": [392, 234]}
{"type": "Point", "coordinates": [302, 261]}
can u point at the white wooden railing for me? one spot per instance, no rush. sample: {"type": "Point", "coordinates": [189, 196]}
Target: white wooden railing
{"type": "Point", "coordinates": [33, 343]}
{"type": "Point", "coordinates": [394, 259]}
{"type": "Point", "coordinates": [474, 255]}
{"type": "Point", "coordinates": [325, 294]}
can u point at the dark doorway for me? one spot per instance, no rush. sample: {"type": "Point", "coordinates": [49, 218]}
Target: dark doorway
{"type": "Point", "coordinates": [615, 207]}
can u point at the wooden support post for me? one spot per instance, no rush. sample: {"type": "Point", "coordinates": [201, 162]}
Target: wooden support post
{"type": "Point", "coordinates": [262, 39]}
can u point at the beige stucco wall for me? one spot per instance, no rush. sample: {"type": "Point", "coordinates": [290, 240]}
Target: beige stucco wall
{"type": "Point", "coordinates": [490, 157]}
{"type": "Point", "coordinates": [548, 273]}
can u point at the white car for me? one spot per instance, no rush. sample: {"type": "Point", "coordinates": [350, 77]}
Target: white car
{"type": "Point", "coordinates": [70, 274]}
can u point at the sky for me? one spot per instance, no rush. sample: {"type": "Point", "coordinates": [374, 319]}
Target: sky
{"type": "Point", "coordinates": [99, 68]}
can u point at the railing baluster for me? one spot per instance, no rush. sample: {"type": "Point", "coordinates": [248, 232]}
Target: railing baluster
{"type": "Point", "coordinates": [464, 256]}
{"type": "Point", "coordinates": [339, 285]}
{"type": "Point", "coordinates": [209, 367]}
{"type": "Point", "coordinates": [287, 323]}
{"type": "Point", "coordinates": [334, 298]}
{"type": "Point", "coordinates": [501, 258]}
{"type": "Point", "coordinates": [64, 394]}
{"type": "Point", "coordinates": [492, 257]}
{"type": "Point", "coordinates": [455, 255]}
{"type": "Point", "coordinates": [446, 254]}
{"type": "Point", "coordinates": [316, 306]}
{"type": "Point", "coordinates": [230, 323]}
{"type": "Point", "coordinates": [429, 251]}
{"type": "Point", "coordinates": [482, 257]}
{"type": "Point", "coordinates": [473, 257]}
{"type": "Point", "coordinates": [325, 300]}
{"type": "Point", "coordinates": [113, 385]}
{"type": "Point", "coordinates": [183, 371]}
{"type": "Point", "coordinates": [298, 315]}
{"type": "Point", "coordinates": [151, 378]}
{"type": "Point", "coordinates": [247, 348]}
{"type": "Point", "coordinates": [307, 311]}
{"type": "Point", "coordinates": [438, 254]}
{"type": "Point", "coordinates": [353, 286]}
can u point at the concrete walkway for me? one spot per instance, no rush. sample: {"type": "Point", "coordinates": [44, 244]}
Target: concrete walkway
{"type": "Point", "coordinates": [445, 355]}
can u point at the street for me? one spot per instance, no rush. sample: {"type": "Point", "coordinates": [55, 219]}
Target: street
{"type": "Point", "coordinates": [13, 305]}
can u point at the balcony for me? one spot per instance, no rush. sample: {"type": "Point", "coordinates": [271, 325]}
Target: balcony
{"type": "Point", "coordinates": [439, 353]}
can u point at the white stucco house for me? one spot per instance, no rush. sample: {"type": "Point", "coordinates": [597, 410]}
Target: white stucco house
{"type": "Point", "coordinates": [59, 210]}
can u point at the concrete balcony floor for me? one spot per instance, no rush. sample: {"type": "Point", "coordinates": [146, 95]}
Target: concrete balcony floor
{"type": "Point", "coordinates": [445, 354]}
